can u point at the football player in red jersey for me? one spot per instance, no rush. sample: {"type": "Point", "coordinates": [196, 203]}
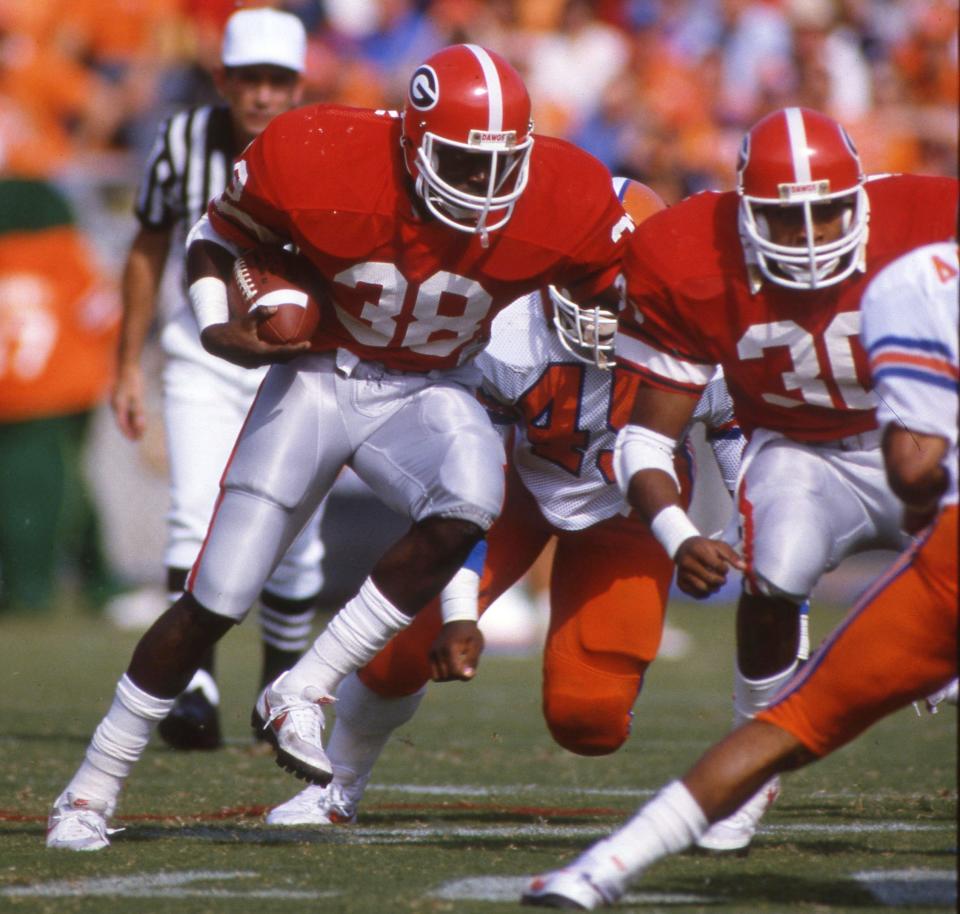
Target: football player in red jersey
{"type": "Point", "coordinates": [882, 657]}
{"type": "Point", "coordinates": [421, 228]}
{"type": "Point", "coordinates": [550, 383]}
{"type": "Point", "coordinates": [766, 281]}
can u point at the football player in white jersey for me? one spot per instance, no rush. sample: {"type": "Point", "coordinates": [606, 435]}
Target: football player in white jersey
{"type": "Point", "coordinates": [882, 657]}
{"type": "Point", "coordinates": [550, 381]}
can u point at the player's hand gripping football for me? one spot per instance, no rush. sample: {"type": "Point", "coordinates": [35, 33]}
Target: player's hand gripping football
{"type": "Point", "coordinates": [238, 341]}
{"type": "Point", "coordinates": [702, 565]}
{"type": "Point", "coordinates": [455, 654]}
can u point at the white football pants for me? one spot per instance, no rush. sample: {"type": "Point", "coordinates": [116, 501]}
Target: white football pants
{"type": "Point", "coordinates": [806, 507]}
{"type": "Point", "coordinates": [204, 408]}
{"type": "Point", "coordinates": [422, 443]}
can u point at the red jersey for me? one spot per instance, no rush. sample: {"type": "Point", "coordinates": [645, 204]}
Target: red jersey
{"type": "Point", "coordinates": [399, 288]}
{"type": "Point", "coordinates": [792, 358]}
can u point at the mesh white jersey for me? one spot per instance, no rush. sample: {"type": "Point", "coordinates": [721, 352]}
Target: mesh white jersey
{"type": "Point", "coordinates": [910, 333]}
{"type": "Point", "coordinates": [567, 414]}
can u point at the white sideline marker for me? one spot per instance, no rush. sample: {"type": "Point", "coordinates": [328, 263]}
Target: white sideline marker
{"type": "Point", "coordinates": [910, 887]}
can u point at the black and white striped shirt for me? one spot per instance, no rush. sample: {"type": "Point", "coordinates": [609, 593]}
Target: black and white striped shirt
{"type": "Point", "coordinates": [189, 165]}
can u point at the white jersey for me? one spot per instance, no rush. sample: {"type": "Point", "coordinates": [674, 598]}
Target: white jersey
{"type": "Point", "coordinates": [567, 414]}
{"type": "Point", "coordinates": [910, 332]}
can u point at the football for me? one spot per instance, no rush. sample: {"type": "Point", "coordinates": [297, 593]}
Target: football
{"type": "Point", "coordinates": [270, 276]}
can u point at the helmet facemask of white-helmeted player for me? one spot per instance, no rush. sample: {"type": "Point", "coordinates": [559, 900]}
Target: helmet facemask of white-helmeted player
{"type": "Point", "coordinates": [467, 138]}
{"type": "Point", "coordinates": [587, 333]}
{"type": "Point", "coordinates": [800, 170]}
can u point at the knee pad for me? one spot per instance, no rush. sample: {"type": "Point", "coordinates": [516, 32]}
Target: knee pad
{"type": "Point", "coordinates": [594, 721]}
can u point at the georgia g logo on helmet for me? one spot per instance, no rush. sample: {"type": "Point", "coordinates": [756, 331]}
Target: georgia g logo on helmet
{"type": "Point", "coordinates": [424, 88]}
{"type": "Point", "coordinates": [800, 165]}
{"type": "Point", "coordinates": [466, 138]}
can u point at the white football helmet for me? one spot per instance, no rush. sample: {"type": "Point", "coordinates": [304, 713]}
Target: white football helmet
{"type": "Point", "coordinates": [588, 334]}
{"type": "Point", "coordinates": [800, 158]}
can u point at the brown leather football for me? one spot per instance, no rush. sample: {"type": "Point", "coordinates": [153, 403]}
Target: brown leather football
{"type": "Point", "coordinates": [273, 276]}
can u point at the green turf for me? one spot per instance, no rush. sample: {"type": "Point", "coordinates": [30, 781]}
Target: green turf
{"type": "Point", "coordinates": [198, 812]}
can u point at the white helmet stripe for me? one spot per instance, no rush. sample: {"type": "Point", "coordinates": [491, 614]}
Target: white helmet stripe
{"type": "Point", "coordinates": [494, 91]}
{"type": "Point", "coordinates": [799, 151]}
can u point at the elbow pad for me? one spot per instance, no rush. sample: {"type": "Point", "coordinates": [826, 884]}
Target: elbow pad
{"type": "Point", "coordinates": [638, 448]}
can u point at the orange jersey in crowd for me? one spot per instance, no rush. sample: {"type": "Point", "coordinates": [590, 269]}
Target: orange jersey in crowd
{"type": "Point", "coordinates": [58, 321]}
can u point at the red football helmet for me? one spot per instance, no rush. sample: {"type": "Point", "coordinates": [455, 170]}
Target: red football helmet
{"type": "Point", "coordinates": [467, 137]}
{"type": "Point", "coordinates": [804, 160]}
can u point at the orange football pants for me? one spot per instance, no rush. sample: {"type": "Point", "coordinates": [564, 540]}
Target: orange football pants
{"type": "Point", "coordinates": [608, 595]}
{"type": "Point", "coordinates": [898, 644]}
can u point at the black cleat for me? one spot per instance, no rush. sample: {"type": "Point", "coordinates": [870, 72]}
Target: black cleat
{"type": "Point", "coordinates": [193, 723]}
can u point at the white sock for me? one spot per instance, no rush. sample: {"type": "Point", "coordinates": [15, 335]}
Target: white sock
{"type": "Point", "coordinates": [285, 632]}
{"type": "Point", "coordinates": [365, 722]}
{"type": "Point", "coordinates": [118, 742]}
{"type": "Point", "coordinates": [753, 695]}
{"type": "Point", "coordinates": [203, 681]}
{"type": "Point", "coordinates": [669, 823]}
{"type": "Point", "coordinates": [352, 639]}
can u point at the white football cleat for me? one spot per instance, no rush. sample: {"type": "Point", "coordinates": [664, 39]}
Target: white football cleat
{"type": "Point", "coordinates": [330, 805]}
{"type": "Point", "coordinates": [736, 831]}
{"type": "Point", "coordinates": [570, 889]}
{"type": "Point", "coordinates": [78, 825]}
{"type": "Point", "coordinates": [293, 724]}
{"type": "Point", "coordinates": [947, 694]}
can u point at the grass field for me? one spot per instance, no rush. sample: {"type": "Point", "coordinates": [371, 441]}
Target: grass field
{"type": "Point", "coordinates": [471, 797]}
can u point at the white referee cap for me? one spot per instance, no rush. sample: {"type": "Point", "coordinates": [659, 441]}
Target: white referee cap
{"type": "Point", "coordinates": [264, 36]}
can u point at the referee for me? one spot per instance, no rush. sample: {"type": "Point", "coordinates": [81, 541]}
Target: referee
{"type": "Point", "coordinates": [205, 399]}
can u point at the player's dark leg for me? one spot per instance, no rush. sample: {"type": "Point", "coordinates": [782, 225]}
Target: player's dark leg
{"type": "Point", "coordinates": [416, 568]}
{"type": "Point", "coordinates": [768, 635]}
{"type": "Point", "coordinates": [733, 770]}
{"type": "Point", "coordinates": [172, 649]}
{"type": "Point", "coordinates": [194, 721]}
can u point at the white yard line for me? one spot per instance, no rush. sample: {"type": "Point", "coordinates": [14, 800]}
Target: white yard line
{"type": "Point", "coordinates": [156, 885]}
{"type": "Point", "coordinates": [894, 888]}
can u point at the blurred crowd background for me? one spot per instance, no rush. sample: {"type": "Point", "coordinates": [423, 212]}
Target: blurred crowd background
{"type": "Point", "coordinates": [660, 90]}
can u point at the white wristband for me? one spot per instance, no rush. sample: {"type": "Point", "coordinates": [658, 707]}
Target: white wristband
{"type": "Point", "coordinates": [672, 528]}
{"type": "Point", "coordinates": [458, 600]}
{"type": "Point", "coordinates": [208, 297]}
